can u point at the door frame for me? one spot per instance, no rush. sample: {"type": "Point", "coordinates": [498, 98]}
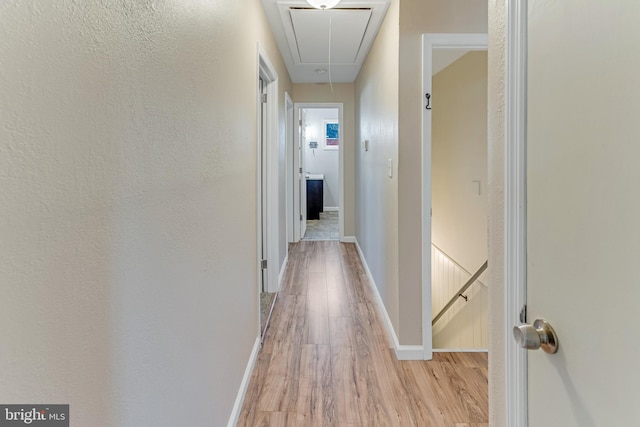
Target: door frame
{"type": "Point", "coordinates": [293, 165]}
{"type": "Point", "coordinates": [298, 170]}
{"type": "Point", "coordinates": [289, 173]}
{"type": "Point", "coordinates": [515, 209]}
{"type": "Point", "coordinates": [267, 71]}
{"type": "Point", "coordinates": [429, 42]}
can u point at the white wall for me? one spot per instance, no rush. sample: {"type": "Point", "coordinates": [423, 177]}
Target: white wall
{"type": "Point", "coordinates": [320, 160]}
{"type": "Point", "coordinates": [376, 101]}
{"type": "Point", "coordinates": [416, 18]}
{"type": "Point", "coordinates": [459, 157]}
{"type": "Point", "coordinates": [128, 262]}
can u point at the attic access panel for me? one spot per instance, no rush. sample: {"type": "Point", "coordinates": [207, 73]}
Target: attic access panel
{"type": "Point", "coordinates": [311, 30]}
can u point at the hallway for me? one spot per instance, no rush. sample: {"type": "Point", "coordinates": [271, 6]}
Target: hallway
{"type": "Point", "coordinates": [327, 360]}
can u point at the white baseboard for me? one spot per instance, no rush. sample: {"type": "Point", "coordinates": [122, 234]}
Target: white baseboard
{"type": "Point", "coordinates": [349, 239]}
{"type": "Point", "coordinates": [237, 406]}
{"type": "Point", "coordinates": [403, 352]}
{"type": "Point", "coordinates": [460, 350]}
{"type": "Point", "coordinates": [330, 209]}
{"type": "Point", "coordinates": [410, 352]}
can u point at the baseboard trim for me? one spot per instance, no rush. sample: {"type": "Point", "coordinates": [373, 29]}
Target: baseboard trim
{"type": "Point", "coordinates": [330, 209]}
{"type": "Point", "coordinates": [403, 352]}
{"type": "Point", "coordinates": [460, 350]}
{"type": "Point", "coordinates": [410, 352]}
{"type": "Point", "coordinates": [244, 385]}
{"type": "Point", "coordinates": [349, 239]}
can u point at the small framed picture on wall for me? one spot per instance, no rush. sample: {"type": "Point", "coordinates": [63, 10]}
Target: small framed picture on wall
{"type": "Point", "coordinates": [331, 135]}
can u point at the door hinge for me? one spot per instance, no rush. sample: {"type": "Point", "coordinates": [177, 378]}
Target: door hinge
{"type": "Point", "coordinates": [300, 122]}
{"type": "Point", "coordinates": [523, 314]}
{"type": "Point", "coordinates": [263, 264]}
{"type": "Point", "coordinates": [300, 217]}
{"type": "Point", "coordinates": [263, 98]}
{"type": "Point", "coordinates": [300, 170]}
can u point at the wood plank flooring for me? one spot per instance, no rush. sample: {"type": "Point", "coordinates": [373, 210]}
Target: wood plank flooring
{"type": "Point", "coordinates": [327, 360]}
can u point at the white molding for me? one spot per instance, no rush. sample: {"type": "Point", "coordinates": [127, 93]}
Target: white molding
{"type": "Point", "coordinates": [403, 352]}
{"type": "Point", "coordinates": [340, 107]}
{"type": "Point", "coordinates": [331, 209]}
{"type": "Point", "coordinates": [409, 352]}
{"type": "Point", "coordinates": [515, 209]}
{"type": "Point", "coordinates": [278, 14]}
{"type": "Point", "coordinates": [269, 74]}
{"type": "Point", "coordinates": [429, 42]}
{"type": "Point", "coordinates": [341, 170]}
{"type": "Point", "coordinates": [273, 232]}
{"type": "Point", "coordinates": [348, 239]}
{"type": "Point", "coordinates": [289, 175]}
{"type": "Point", "coordinates": [295, 166]}
{"type": "Point", "coordinates": [260, 63]}
{"type": "Point", "coordinates": [244, 385]}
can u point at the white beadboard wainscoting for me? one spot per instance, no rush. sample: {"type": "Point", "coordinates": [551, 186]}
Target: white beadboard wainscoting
{"type": "Point", "coordinates": [464, 325]}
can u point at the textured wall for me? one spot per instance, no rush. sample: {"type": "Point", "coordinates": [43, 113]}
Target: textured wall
{"type": "Point", "coordinates": [128, 260]}
{"type": "Point", "coordinates": [388, 110]}
{"type": "Point", "coordinates": [377, 194]}
{"type": "Point", "coordinates": [418, 17]}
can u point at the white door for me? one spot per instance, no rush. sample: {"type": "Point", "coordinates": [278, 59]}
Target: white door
{"type": "Point", "coordinates": [583, 198]}
{"type": "Point", "coordinates": [264, 184]}
{"type": "Point", "coordinates": [303, 172]}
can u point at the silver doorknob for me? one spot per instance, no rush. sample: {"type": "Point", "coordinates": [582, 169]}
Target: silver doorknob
{"type": "Point", "coordinates": [538, 335]}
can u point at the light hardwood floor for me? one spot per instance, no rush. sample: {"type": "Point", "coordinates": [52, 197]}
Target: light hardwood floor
{"type": "Point", "coordinates": [327, 360]}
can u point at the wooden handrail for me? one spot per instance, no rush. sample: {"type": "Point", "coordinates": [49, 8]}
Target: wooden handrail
{"type": "Point", "coordinates": [464, 287]}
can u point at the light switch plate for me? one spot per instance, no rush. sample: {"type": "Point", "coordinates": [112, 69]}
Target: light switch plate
{"type": "Point", "coordinates": [475, 187]}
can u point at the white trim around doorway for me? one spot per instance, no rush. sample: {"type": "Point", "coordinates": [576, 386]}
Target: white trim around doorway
{"type": "Point", "coordinates": [429, 42]}
{"type": "Point", "coordinates": [292, 165]}
{"type": "Point", "coordinates": [267, 71]}
{"type": "Point", "coordinates": [515, 209]}
{"type": "Point", "coordinates": [289, 175]}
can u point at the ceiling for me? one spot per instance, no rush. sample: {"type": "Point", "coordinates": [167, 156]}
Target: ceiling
{"type": "Point", "coordinates": [321, 44]}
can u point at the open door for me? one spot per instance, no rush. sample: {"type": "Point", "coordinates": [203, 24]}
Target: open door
{"type": "Point", "coordinates": [303, 173]}
{"type": "Point", "coordinates": [267, 194]}
{"type": "Point", "coordinates": [299, 182]}
{"type": "Point", "coordinates": [583, 211]}
{"type": "Point", "coordinates": [264, 186]}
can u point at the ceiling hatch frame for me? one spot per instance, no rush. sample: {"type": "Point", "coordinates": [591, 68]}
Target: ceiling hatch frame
{"type": "Point", "coordinates": [288, 43]}
{"type": "Point", "coordinates": [310, 43]}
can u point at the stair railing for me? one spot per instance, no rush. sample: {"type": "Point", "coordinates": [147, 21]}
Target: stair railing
{"type": "Point", "coordinates": [461, 291]}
